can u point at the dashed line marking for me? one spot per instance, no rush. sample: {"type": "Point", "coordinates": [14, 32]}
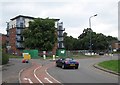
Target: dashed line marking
{"type": "Point", "coordinates": [48, 80]}
{"type": "Point", "coordinates": [28, 80]}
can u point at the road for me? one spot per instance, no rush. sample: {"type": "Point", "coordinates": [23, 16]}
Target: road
{"type": "Point", "coordinates": [10, 71]}
{"type": "Point", "coordinates": [85, 74]}
{"type": "Point", "coordinates": [44, 71]}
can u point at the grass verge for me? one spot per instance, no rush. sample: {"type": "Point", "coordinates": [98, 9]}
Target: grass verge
{"type": "Point", "coordinates": [14, 56]}
{"type": "Point", "coordinates": [111, 65]}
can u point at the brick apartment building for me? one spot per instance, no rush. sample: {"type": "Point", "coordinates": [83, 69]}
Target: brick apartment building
{"type": "Point", "coordinates": [15, 40]}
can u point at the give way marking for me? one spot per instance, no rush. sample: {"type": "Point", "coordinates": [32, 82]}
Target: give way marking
{"type": "Point", "coordinates": [48, 80]}
{"type": "Point", "coordinates": [28, 79]}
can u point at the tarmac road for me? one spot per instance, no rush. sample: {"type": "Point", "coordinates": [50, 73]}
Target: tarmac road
{"type": "Point", "coordinates": [10, 71]}
{"type": "Point", "coordinates": [86, 72]}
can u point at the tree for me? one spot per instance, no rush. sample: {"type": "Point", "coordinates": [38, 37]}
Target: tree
{"type": "Point", "coordinates": [99, 41]}
{"type": "Point", "coordinates": [41, 34]}
{"type": "Point", "coordinates": [70, 43]}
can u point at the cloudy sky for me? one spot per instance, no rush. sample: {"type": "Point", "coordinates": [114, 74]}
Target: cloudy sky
{"type": "Point", "coordinates": [74, 14]}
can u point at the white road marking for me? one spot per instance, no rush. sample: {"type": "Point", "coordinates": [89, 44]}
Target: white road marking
{"type": "Point", "coordinates": [19, 75]}
{"type": "Point", "coordinates": [28, 80]}
{"type": "Point", "coordinates": [48, 80]}
{"type": "Point", "coordinates": [36, 76]}
{"type": "Point", "coordinates": [52, 77]}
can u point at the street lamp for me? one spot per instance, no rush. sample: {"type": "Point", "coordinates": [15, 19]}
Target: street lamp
{"type": "Point", "coordinates": [90, 31]}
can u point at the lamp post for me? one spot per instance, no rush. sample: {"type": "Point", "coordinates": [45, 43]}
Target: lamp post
{"type": "Point", "coordinates": [90, 31]}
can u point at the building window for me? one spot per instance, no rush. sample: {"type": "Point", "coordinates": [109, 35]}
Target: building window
{"type": "Point", "coordinates": [21, 24]}
{"type": "Point", "coordinates": [18, 31]}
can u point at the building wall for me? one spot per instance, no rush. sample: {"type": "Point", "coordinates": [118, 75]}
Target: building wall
{"type": "Point", "coordinates": [12, 24]}
{"type": "Point", "coordinates": [27, 22]}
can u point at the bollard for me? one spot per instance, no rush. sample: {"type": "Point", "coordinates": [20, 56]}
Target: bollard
{"type": "Point", "coordinates": [53, 57]}
{"type": "Point", "coordinates": [44, 54]}
{"type": "Point", "coordinates": [44, 57]}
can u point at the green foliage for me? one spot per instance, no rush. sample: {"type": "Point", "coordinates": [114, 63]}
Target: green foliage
{"type": "Point", "coordinates": [70, 43]}
{"type": "Point", "coordinates": [13, 56]}
{"type": "Point", "coordinates": [111, 65]}
{"type": "Point", "coordinates": [99, 41]}
{"type": "Point", "coordinates": [40, 34]}
{"type": "Point", "coordinates": [5, 58]}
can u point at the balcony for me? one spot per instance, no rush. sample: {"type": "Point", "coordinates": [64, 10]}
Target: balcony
{"type": "Point", "coordinates": [19, 31]}
{"type": "Point", "coordinates": [20, 27]}
{"type": "Point", "coordinates": [7, 34]}
{"type": "Point", "coordinates": [60, 39]}
{"type": "Point", "coordinates": [60, 29]}
{"type": "Point", "coordinates": [60, 33]}
{"type": "Point", "coordinates": [7, 29]}
{"type": "Point", "coordinates": [60, 46]}
{"type": "Point", "coordinates": [7, 39]}
{"type": "Point", "coordinates": [20, 46]}
{"type": "Point", "coordinates": [7, 26]}
{"type": "Point", "coordinates": [19, 39]}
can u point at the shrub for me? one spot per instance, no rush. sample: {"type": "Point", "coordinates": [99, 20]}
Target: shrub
{"type": "Point", "coordinates": [5, 58]}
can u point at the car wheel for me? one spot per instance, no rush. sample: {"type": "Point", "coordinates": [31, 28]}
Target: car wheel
{"type": "Point", "coordinates": [63, 66]}
{"type": "Point", "coordinates": [56, 65]}
{"type": "Point", "coordinates": [76, 67]}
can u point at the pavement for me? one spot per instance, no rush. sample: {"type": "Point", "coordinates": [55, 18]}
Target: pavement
{"type": "Point", "coordinates": [10, 71]}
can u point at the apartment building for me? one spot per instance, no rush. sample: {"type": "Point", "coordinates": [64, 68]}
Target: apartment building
{"type": "Point", "coordinates": [14, 34]}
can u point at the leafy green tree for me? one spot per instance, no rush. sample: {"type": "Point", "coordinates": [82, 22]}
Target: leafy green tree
{"type": "Point", "coordinates": [41, 34]}
{"type": "Point", "coordinates": [68, 41]}
{"type": "Point", "coordinates": [98, 40]}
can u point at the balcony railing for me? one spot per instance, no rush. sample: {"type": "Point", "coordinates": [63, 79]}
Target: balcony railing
{"type": "Point", "coordinates": [19, 31]}
{"type": "Point", "coordinates": [19, 38]}
{"type": "Point", "coordinates": [20, 46]}
{"type": "Point", "coordinates": [60, 29]}
{"type": "Point", "coordinates": [60, 34]}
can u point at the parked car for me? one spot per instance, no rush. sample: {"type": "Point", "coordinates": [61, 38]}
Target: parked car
{"type": "Point", "coordinates": [101, 53]}
{"type": "Point", "coordinates": [67, 63]}
{"type": "Point", "coordinates": [25, 61]}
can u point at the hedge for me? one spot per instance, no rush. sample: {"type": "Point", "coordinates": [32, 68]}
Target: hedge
{"type": "Point", "coordinates": [5, 58]}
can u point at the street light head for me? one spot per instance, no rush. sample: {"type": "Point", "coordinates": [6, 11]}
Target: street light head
{"type": "Point", "coordinates": [95, 15]}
